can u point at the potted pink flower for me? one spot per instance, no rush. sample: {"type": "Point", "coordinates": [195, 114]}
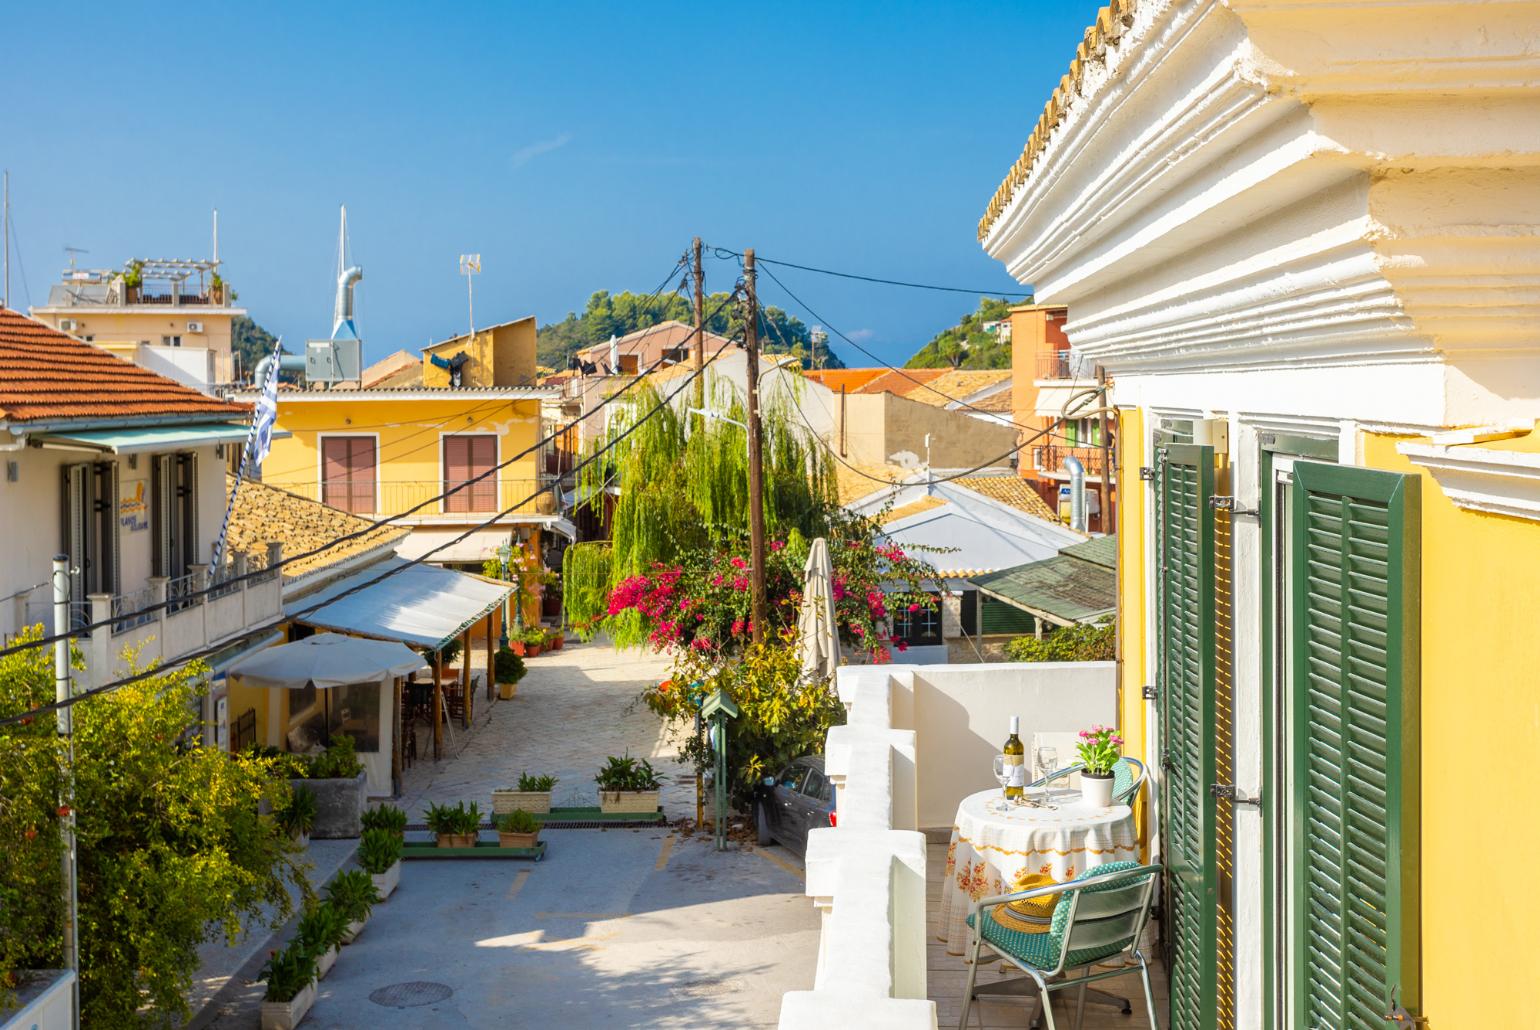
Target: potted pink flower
{"type": "Point", "coordinates": [1100, 749]}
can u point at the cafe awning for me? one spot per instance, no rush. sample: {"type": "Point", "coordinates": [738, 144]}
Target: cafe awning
{"type": "Point", "coordinates": [419, 605]}
{"type": "Point", "coordinates": [142, 439]}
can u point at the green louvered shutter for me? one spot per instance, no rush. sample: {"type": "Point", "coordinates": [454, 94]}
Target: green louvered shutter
{"type": "Point", "coordinates": [1186, 621]}
{"type": "Point", "coordinates": [1355, 792]}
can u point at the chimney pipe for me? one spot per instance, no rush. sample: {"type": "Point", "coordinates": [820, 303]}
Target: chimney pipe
{"type": "Point", "coordinates": [1077, 513]}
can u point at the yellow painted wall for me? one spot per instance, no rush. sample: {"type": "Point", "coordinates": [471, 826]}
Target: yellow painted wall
{"type": "Point", "coordinates": [410, 450]}
{"type": "Point", "coordinates": [1130, 518]}
{"type": "Point", "coordinates": [1480, 742]}
{"type": "Point", "coordinates": [501, 356]}
{"type": "Point", "coordinates": [121, 331]}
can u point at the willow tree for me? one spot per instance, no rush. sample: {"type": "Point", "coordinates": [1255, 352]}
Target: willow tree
{"type": "Point", "coordinates": [683, 484]}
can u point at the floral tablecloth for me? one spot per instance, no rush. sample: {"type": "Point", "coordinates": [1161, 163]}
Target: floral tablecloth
{"type": "Point", "coordinates": [993, 843]}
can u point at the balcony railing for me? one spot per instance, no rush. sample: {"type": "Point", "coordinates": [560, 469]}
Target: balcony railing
{"type": "Point", "coordinates": [1053, 366]}
{"type": "Point", "coordinates": [394, 497]}
{"type": "Point", "coordinates": [1050, 458]}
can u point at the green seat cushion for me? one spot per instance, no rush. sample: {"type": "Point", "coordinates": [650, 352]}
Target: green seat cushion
{"type": "Point", "coordinates": [1041, 950]}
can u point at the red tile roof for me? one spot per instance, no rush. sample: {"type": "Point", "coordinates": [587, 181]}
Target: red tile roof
{"type": "Point", "coordinates": [47, 375]}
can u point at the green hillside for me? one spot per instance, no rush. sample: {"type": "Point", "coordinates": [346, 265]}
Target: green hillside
{"type": "Point", "coordinates": [966, 344]}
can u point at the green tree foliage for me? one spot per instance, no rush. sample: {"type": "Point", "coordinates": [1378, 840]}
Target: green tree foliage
{"type": "Point", "coordinates": [617, 314]}
{"type": "Point", "coordinates": [172, 849]}
{"type": "Point", "coordinates": [966, 344]}
{"type": "Point", "coordinates": [1067, 644]}
{"type": "Point", "coordinates": [251, 343]}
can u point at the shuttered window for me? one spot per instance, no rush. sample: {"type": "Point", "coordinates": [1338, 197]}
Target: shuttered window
{"type": "Point", "coordinates": [348, 473]}
{"type": "Point", "coordinates": [465, 458]}
{"type": "Point", "coordinates": [1354, 789]}
{"type": "Point", "coordinates": [174, 512]}
{"type": "Point", "coordinates": [90, 530]}
{"type": "Point", "coordinates": [1186, 692]}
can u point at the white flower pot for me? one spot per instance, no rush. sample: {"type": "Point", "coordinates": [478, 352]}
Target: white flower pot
{"type": "Point", "coordinates": [286, 1015]}
{"type": "Point", "coordinates": [325, 961]}
{"type": "Point", "coordinates": [354, 929]}
{"type": "Point", "coordinates": [1096, 791]}
{"type": "Point", "coordinates": [387, 881]}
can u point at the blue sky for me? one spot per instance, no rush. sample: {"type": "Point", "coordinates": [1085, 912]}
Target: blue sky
{"type": "Point", "coordinates": [577, 147]}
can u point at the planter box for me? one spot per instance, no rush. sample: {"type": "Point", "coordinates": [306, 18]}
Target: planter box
{"type": "Point", "coordinates": [286, 1015]}
{"type": "Point", "coordinates": [325, 961]}
{"type": "Point", "coordinates": [339, 806]}
{"type": "Point", "coordinates": [507, 691]}
{"type": "Point", "coordinates": [518, 840]}
{"type": "Point", "coordinates": [517, 647]}
{"type": "Point", "coordinates": [535, 802]}
{"type": "Point", "coordinates": [387, 881]}
{"type": "Point", "coordinates": [456, 840]}
{"type": "Point", "coordinates": [354, 929]}
{"type": "Point", "coordinates": [43, 1000]}
{"type": "Point", "coordinates": [628, 801]}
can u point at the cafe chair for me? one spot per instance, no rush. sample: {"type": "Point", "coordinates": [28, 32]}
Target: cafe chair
{"type": "Point", "coordinates": [1100, 916]}
{"type": "Point", "coordinates": [1127, 778]}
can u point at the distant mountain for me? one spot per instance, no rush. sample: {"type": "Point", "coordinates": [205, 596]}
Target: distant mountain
{"type": "Point", "coordinates": [966, 344]}
{"type": "Point", "coordinates": [617, 314]}
{"type": "Point", "coordinates": [251, 343]}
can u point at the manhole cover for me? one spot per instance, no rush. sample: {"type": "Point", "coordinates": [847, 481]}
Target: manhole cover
{"type": "Point", "coordinates": [411, 994]}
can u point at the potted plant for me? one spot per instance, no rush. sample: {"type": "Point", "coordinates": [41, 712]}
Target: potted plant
{"type": "Point", "coordinates": [297, 816]}
{"type": "Point", "coordinates": [456, 826]}
{"type": "Point", "coordinates": [1100, 749]}
{"type": "Point", "coordinates": [557, 638]}
{"type": "Point", "coordinates": [627, 785]}
{"type": "Point", "coordinates": [290, 976]}
{"type": "Point", "coordinates": [133, 281]}
{"type": "Point", "coordinates": [217, 290]}
{"type": "Point", "coordinates": [321, 930]}
{"type": "Point", "coordinates": [509, 669]}
{"type": "Point", "coordinates": [517, 829]}
{"type": "Point", "coordinates": [341, 789]}
{"type": "Point", "coordinates": [385, 817]}
{"type": "Point", "coordinates": [353, 895]}
{"type": "Point", "coordinates": [379, 853]}
{"type": "Point", "coordinates": [533, 795]}
{"type": "Point", "coordinates": [534, 641]}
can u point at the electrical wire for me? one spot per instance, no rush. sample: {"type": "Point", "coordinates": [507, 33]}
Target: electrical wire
{"type": "Point", "coordinates": [370, 525]}
{"type": "Point", "coordinates": [722, 252]}
{"type": "Point", "coordinates": [74, 699]}
{"type": "Point", "coordinates": [380, 456]}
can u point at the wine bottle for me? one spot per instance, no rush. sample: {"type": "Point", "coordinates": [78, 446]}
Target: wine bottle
{"type": "Point", "coordinates": [1015, 756]}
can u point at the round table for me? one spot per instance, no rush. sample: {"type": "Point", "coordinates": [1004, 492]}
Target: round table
{"type": "Point", "coordinates": [993, 842]}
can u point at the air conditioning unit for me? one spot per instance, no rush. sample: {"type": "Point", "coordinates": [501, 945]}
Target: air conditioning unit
{"type": "Point", "coordinates": [68, 325]}
{"type": "Point", "coordinates": [195, 327]}
{"type": "Point", "coordinates": [333, 361]}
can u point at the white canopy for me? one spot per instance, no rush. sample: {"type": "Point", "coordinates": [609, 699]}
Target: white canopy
{"type": "Point", "coordinates": [818, 636]}
{"type": "Point", "coordinates": [326, 660]}
{"type": "Point", "coordinates": [421, 605]}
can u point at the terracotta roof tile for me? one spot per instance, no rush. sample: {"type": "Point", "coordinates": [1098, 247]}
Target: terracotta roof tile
{"type": "Point", "coordinates": [855, 481]}
{"type": "Point", "coordinates": [1000, 400]}
{"type": "Point", "coordinates": [903, 511]}
{"type": "Point", "coordinates": [47, 375]}
{"type": "Point", "coordinates": [957, 384]}
{"type": "Point", "coordinates": [1010, 490]}
{"type": "Point", "coordinates": [903, 381]}
{"type": "Point", "coordinates": [852, 379]}
{"type": "Point", "coordinates": [264, 513]}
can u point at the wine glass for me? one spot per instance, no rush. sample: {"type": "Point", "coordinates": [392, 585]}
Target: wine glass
{"type": "Point", "coordinates": [1047, 761]}
{"type": "Point", "coordinates": [1002, 772]}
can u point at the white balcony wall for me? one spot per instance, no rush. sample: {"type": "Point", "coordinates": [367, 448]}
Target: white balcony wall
{"type": "Point", "coordinates": [917, 740]}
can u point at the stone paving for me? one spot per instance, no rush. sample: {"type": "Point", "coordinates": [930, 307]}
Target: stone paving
{"type": "Point", "coordinates": [575, 707]}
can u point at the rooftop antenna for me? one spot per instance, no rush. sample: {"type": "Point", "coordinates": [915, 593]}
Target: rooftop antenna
{"type": "Point", "coordinates": [347, 277]}
{"type": "Point", "coordinates": [72, 251]}
{"type": "Point", "coordinates": [216, 236]}
{"type": "Point", "coordinates": [470, 264]}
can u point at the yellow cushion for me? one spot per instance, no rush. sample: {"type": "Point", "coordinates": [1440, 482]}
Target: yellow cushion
{"type": "Point", "coordinates": [1029, 915]}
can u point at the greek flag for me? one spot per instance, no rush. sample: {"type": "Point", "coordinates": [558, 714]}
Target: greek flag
{"type": "Point", "coordinates": [265, 417]}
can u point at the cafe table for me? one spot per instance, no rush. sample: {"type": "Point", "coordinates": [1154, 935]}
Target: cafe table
{"type": "Point", "coordinates": [994, 841]}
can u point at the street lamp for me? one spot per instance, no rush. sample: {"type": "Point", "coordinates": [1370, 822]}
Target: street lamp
{"type": "Point", "coordinates": [504, 552]}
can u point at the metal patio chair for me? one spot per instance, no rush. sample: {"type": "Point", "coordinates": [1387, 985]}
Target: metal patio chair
{"type": "Point", "coordinates": [1127, 778]}
{"type": "Point", "coordinates": [1100, 915]}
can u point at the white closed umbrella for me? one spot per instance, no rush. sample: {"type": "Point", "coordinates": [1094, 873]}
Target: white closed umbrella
{"type": "Point", "coordinates": [817, 634]}
{"type": "Point", "coordinates": [327, 660]}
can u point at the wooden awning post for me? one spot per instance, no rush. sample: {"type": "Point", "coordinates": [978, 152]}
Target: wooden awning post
{"type": "Point", "coordinates": [465, 679]}
{"type": "Point", "coordinates": [438, 705]}
{"type": "Point", "coordinates": [490, 625]}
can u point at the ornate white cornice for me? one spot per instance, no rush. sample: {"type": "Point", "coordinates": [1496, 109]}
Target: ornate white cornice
{"type": "Point", "coordinates": [1481, 479]}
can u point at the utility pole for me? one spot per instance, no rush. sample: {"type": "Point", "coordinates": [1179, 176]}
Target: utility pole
{"type": "Point", "coordinates": [65, 719]}
{"type": "Point", "coordinates": [700, 326]}
{"type": "Point", "coordinates": [756, 472]}
{"type": "Point", "coordinates": [1106, 498]}
{"type": "Point", "coordinates": [470, 264]}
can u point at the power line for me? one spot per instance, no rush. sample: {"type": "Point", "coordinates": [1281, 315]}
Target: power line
{"type": "Point", "coordinates": [370, 525]}
{"type": "Point", "coordinates": [394, 570]}
{"type": "Point", "coordinates": [723, 251]}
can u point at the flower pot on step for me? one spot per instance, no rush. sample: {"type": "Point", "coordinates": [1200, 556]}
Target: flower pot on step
{"type": "Point", "coordinates": [558, 641]}
{"type": "Point", "coordinates": [628, 802]}
{"type": "Point", "coordinates": [286, 1015]}
{"type": "Point", "coordinates": [532, 650]}
{"type": "Point", "coordinates": [457, 840]}
{"type": "Point", "coordinates": [535, 802]}
{"type": "Point", "coordinates": [517, 840]}
{"type": "Point", "coordinates": [517, 647]}
{"type": "Point", "coordinates": [507, 691]}
{"type": "Point", "coordinates": [325, 961]}
{"type": "Point", "coordinates": [387, 881]}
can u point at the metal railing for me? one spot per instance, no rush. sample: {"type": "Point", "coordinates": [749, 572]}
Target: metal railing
{"type": "Point", "coordinates": [1055, 366]}
{"type": "Point", "coordinates": [40, 612]}
{"type": "Point", "coordinates": [1051, 458]}
{"type": "Point", "coordinates": [389, 497]}
{"type": "Point", "coordinates": [127, 610]}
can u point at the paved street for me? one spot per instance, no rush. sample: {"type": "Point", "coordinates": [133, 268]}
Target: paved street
{"type": "Point", "coordinates": [613, 928]}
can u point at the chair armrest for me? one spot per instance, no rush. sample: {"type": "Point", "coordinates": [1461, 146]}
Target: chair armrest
{"type": "Point", "coordinates": [1035, 892]}
{"type": "Point", "coordinates": [1057, 774]}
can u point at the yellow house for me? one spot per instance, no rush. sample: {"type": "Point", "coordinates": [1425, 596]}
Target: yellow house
{"type": "Point", "coordinates": [393, 450]}
{"type": "Point", "coordinates": [1310, 273]}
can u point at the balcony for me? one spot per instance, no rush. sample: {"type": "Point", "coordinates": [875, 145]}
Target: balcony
{"type": "Point", "coordinates": [392, 497]}
{"type": "Point", "coordinates": [1049, 460]}
{"type": "Point", "coordinates": [1054, 366]}
{"type": "Point", "coordinates": [916, 741]}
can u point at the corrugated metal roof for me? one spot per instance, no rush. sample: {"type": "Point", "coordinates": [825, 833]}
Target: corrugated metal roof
{"type": "Point", "coordinates": [1065, 589]}
{"type": "Point", "coordinates": [1101, 550]}
{"type": "Point", "coordinates": [422, 605]}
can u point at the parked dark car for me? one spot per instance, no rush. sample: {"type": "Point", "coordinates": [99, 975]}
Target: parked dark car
{"type": "Point", "coordinates": [798, 800]}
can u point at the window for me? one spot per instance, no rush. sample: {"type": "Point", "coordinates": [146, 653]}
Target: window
{"type": "Point", "coordinates": [347, 473]}
{"type": "Point", "coordinates": [174, 512]}
{"type": "Point", "coordinates": [355, 711]}
{"type": "Point", "coordinates": [170, 341]}
{"type": "Point", "coordinates": [466, 457]}
{"type": "Point", "coordinates": [970, 613]}
{"type": "Point", "coordinates": [90, 509]}
{"type": "Point", "coordinates": [920, 627]}
{"type": "Point", "coordinates": [629, 364]}
{"type": "Point", "coordinates": [676, 355]}
{"type": "Point", "coordinates": [815, 786]}
{"type": "Point", "coordinates": [792, 776]}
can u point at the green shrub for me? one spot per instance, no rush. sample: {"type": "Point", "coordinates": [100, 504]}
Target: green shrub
{"type": "Point", "coordinates": [288, 971]}
{"type": "Point", "coordinates": [321, 928]}
{"type": "Point", "coordinates": [285, 765]}
{"type": "Point", "coordinates": [508, 666]}
{"type": "Point", "coordinates": [352, 894]}
{"type": "Point", "coordinates": [458, 818]}
{"type": "Point", "coordinates": [627, 774]}
{"type": "Point", "coordinates": [338, 762]}
{"type": "Point", "coordinates": [1067, 644]}
{"type": "Point", "coordinates": [517, 821]}
{"type": "Point", "coordinates": [385, 817]}
{"type": "Point", "coordinates": [535, 636]}
{"type": "Point", "coordinates": [537, 784]}
{"type": "Point", "coordinates": [297, 815]}
{"type": "Point", "coordinates": [378, 850]}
